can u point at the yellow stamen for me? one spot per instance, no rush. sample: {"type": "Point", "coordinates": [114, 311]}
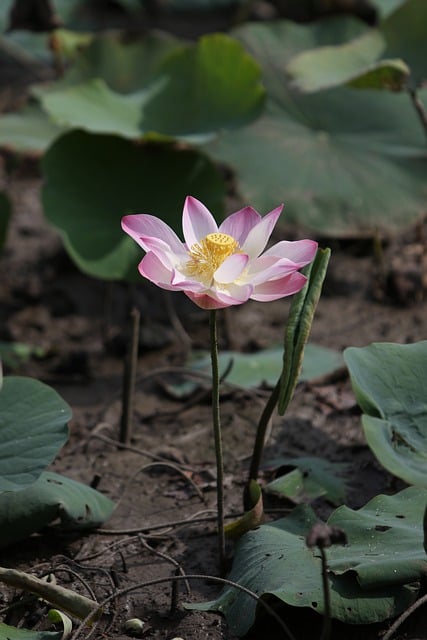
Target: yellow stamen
{"type": "Point", "coordinates": [209, 254]}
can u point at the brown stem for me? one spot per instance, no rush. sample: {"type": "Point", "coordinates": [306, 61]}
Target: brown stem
{"type": "Point", "coordinates": [129, 380]}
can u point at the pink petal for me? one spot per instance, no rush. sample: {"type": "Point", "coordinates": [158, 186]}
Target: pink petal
{"type": "Point", "coordinates": [268, 268]}
{"type": "Point", "coordinates": [238, 224]}
{"type": "Point", "coordinates": [160, 248]}
{"type": "Point", "coordinates": [153, 269]}
{"type": "Point", "coordinates": [205, 301]}
{"type": "Point", "coordinates": [197, 221]}
{"type": "Point", "coordinates": [259, 235]}
{"type": "Point", "coordinates": [301, 252]}
{"type": "Point", "coordinates": [181, 281]}
{"type": "Point", "coordinates": [145, 225]}
{"type": "Point", "coordinates": [231, 268]}
{"type": "Point", "coordinates": [215, 299]}
{"type": "Point", "coordinates": [162, 251]}
{"type": "Point", "coordinates": [275, 289]}
{"type": "Point", "coordinates": [234, 294]}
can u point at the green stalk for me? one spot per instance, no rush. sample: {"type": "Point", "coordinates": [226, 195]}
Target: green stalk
{"type": "Point", "coordinates": [216, 419]}
{"type": "Point", "coordinates": [297, 331]}
{"type": "Point", "coordinates": [259, 442]}
{"type": "Point", "coordinates": [419, 107]}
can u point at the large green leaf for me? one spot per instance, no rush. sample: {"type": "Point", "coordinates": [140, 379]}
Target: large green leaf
{"type": "Point", "coordinates": [355, 63]}
{"type": "Point", "coordinates": [186, 91]}
{"type": "Point", "coordinates": [93, 106]}
{"type": "Point", "coordinates": [402, 35]}
{"type": "Point", "coordinates": [88, 94]}
{"type": "Point", "coordinates": [344, 161]}
{"type": "Point", "coordinates": [389, 383]}
{"type": "Point", "coordinates": [5, 8]}
{"type": "Point", "coordinates": [28, 130]}
{"type": "Point", "coordinates": [385, 540]}
{"type": "Point", "coordinates": [251, 370]}
{"type": "Point", "coordinates": [370, 577]}
{"type": "Point", "coordinates": [52, 496]}
{"type": "Point", "coordinates": [126, 66]}
{"type": "Point", "coordinates": [405, 33]}
{"type": "Point", "coordinates": [391, 75]}
{"type": "Point", "coordinates": [33, 428]}
{"type": "Point", "coordinates": [330, 66]}
{"type": "Point", "coordinates": [91, 181]}
{"type": "Point", "coordinates": [27, 52]}
{"type": "Point", "coordinates": [310, 478]}
{"type": "Point", "coordinates": [386, 7]}
{"type": "Point", "coordinates": [211, 86]}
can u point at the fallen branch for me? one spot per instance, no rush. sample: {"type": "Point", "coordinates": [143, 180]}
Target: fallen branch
{"type": "Point", "coordinates": [66, 600]}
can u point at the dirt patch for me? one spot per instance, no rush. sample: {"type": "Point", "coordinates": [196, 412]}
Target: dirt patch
{"type": "Point", "coordinates": [164, 482]}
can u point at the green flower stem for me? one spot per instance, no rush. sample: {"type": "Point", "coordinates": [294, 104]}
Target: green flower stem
{"type": "Point", "coordinates": [217, 437]}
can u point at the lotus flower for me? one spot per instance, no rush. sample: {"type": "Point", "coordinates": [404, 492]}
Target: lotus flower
{"type": "Point", "coordinates": [221, 266]}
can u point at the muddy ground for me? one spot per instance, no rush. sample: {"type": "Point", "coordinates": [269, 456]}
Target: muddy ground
{"type": "Point", "coordinates": [83, 327]}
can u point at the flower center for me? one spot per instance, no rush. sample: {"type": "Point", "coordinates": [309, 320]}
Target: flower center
{"type": "Point", "coordinates": [209, 254]}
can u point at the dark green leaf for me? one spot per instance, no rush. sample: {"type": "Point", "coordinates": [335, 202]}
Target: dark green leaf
{"type": "Point", "coordinates": [251, 370]}
{"type": "Point", "coordinates": [331, 66]}
{"type": "Point", "coordinates": [389, 383]}
{"type": "Point", "coordinates": [386, 7]}
{"type": "Point", "coordinates": [391, 75]}
{"type": "Point", "coordinates": [93, 106]}
{"type": "Point", "coordinates": [91, 181]}
{"type": "Point", "coordinates": [344, 161]}
{"type": "Point", "coordinates": [208, 87]}
{"type": "Point", "coordinates": [33, 427]}
{"type": "Point", "coordinates": [370, 579]}
{"type": "Point", "coordinates": [52, 496]}
{"type": "Point", "coordinates": [405, 33]}
{"type": "Point", "coordinates": [400, 41]}
{"type": "Point", "coordinates": [311, 478]}
{"type": "Point", "coordinates": [191, 91]}
{"type": "Point", "coordinates": [126, 66]}
{"type": "Point", "coordinates": [28, 130]}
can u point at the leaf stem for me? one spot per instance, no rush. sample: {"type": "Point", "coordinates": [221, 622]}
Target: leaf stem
{"type": "Point", "coordinates": [326, 631]}
{"type": "Point", "coordinates": [260, 436]}
{"type": "Point", "coordinates": [419, 108]}
{"type": "Point", "coordinates": [297, 331]}
{"type": "Point", "coordinates": [216, 419]}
